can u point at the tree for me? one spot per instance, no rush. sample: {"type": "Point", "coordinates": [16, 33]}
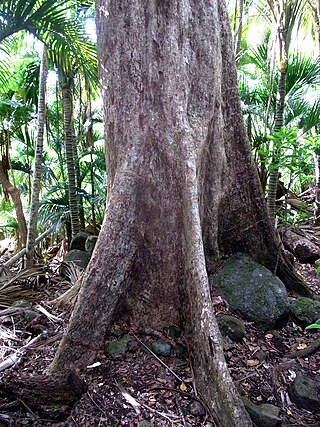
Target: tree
{"type": "Point", "coordinates": [34, 205]}
{"type": "Point", "coordinates": [183, 191]}
{"type": "Point", "coordinates": [286, 14]}
{"type": "Point", "coordinates": [66, 82]}
{"type": "Point", "coordinates": [50, 22]}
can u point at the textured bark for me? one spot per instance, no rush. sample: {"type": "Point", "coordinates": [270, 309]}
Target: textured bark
{"type": "Point", "coordinates": [34, 205]}
{"type": "Point", "coordinates": [15, 195]}
{"type": "Point", "coordinates": [65, 390]}
{"type": "Point", "coordinates": [279, 118]}
{"type": "Point", "coordinates": [64, 82]}
{"type": "Point", "coordinates": [239, 29]}
{"type": "Point", "coordinates": [183, 189]}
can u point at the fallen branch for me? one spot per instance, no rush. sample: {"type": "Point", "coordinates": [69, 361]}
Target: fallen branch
{"type": "Point", "coordinates": [306, 352]}
{"type": "Point", "coordinates": [23, 251]}
{"type": "Point", "coordinates": [15, 357]}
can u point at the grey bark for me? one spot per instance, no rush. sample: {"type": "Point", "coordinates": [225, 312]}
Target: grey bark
{"type": "Point", "coordinates": [182, 192]}
{"type": "Point", "coordinates": [34, 205]}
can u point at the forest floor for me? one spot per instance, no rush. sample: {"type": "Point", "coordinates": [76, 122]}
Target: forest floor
{"type": "Point", "coordinates": [136, 387]}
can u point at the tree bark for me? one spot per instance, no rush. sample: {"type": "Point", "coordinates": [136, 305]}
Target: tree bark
{"type": "Point", "coordinates": [67, 103]}
{"type": "Point", "coordinates": [34, 205]}
{"type": "Point", "coordinates": [239, 29]}
{"type": "Point", "coordinates": [183, 191]}
{"type": "Point", "coordinates": [15, 195]}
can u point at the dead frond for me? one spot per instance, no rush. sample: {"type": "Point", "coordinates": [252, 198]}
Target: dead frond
{"type": "Point", "coordinates": [69, 298]}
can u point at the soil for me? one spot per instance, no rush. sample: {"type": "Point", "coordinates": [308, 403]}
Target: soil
{"type": "Point", "coordinates": [137, 387]}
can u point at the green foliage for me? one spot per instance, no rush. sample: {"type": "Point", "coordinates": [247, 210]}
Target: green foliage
{"type": "Point", "coordinates": [290, 153]}
{"type": "Point", "coordinates": [315, 325]}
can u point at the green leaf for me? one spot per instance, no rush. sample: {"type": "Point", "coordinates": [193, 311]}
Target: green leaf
{"type": "Point", "coordinates": [313, 326]}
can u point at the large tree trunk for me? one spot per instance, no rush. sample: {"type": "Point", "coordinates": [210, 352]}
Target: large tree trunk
{"type": "Point", "coordinates": [183, 189]}
{"type": "Point", "coordinates": [34, 205]}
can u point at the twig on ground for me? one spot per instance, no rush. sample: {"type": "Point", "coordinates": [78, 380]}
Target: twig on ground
{"type": "Point", "coordinates": [158, 358]}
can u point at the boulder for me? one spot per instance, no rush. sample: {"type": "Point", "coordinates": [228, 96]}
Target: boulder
{"type": "Point", "coordinates": [264, 415]}
{"type": "Point", "coordinates": [304, 249]}
{"type": "Point", "coordinates": [231, 327]}
{"type": "Point", "coordinates": [303, 392]}
{"type": "Point", "coordinates": [90, 244]}
{"type": "Point", "coordinates": [253, 291]}
{"type": "Point", "coordinates": [305, 310]}
{"type": "Point", "coordinates": [79, 241]}
{"type": "Point", "coordinates": [79, 258]}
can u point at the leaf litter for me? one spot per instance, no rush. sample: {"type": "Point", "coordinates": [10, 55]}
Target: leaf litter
{"type": "Point", "coordinates": [135, 388]}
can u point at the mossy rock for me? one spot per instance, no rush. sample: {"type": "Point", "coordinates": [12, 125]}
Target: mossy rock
{"type": "Point", "coordinates": [305, 310]}
{"type": "Point", "coordinates": [231, 327]}
{"type": "Point", "coordinates": [254, 291]}
{"type": "Point", "coordinates": [79, 258]}
{"type": "Point", "coordinates": [303, 392]}
{"type": "Point", "coordinates": [79, 241]}
{"type": "Point", "coordinates": [264, 415]}
{"type": "Point", "coordinates": [161, 348]}
{"type": "Point", "coordinates": [118, 347]}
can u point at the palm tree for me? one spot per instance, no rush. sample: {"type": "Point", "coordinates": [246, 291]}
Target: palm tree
{"type": "Point", "coordinates": [301, 104]}
{"type": "Point", "coordinates": [47, 20]}
{"type": "Point", "coordinates": [283, 16]}
{"type": "Point", "coordinates": [34, 206]}
{"type": "Point", "coordinates": [66, 84]}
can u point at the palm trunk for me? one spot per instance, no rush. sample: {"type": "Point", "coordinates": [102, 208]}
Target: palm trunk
{"type": "Point", "coordinates": [69, 147]}
{"type": "Point", "coordinates": [239, 30]}
{"type": "Point", "coordinates": [283, 45]}
{"type": "Point", "coordinates": [34, 206]}
{"type": "Point", "coordinates": [274, 174]}
{"type": "Point", "coordinates": [315, 6]}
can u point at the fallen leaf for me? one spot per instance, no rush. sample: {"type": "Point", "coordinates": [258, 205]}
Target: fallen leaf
{"type": "Point", "coordinates": [253, 362]}
{"type": "Point", "coordinates": [183, 387]}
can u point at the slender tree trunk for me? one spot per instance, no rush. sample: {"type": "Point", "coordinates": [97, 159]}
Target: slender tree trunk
{"type": "Point", "coordinates": [239, 29]}
{"type": "Point", "coordinates": [15, 195]}
{"type": "Point", "coordinates": [283, 14]}
{"type": "Point", "coordinates": [69, 147]}
{"type": "Point", "coordinates": [34, 206]}
{"type": "Point", "coordinates": [315, 7]}
{"type": "Point", "coordinates": [183, 190]}
{"type": "Point", "coordinates": [274, 174]}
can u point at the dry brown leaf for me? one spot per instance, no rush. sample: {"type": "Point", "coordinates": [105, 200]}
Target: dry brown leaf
{"type": "Point", "coordinates": [253, 362]}
{"type": "Point", "coordinates": [183, 387]}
